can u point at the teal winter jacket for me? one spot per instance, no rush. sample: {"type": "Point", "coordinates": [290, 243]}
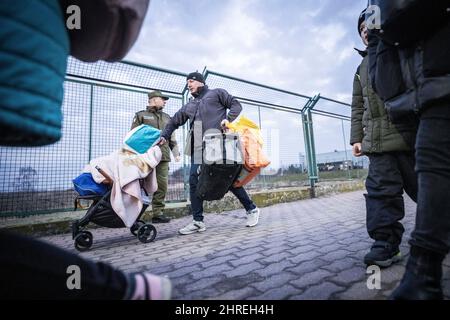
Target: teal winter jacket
{"type": "Point", "coordinates": [34, 46]}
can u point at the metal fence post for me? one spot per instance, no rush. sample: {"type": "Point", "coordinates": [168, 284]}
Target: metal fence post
{"type": "Point", "coordinates": [91, 113]}
{"type": "Point", "coordinates": [345, 150]}
{"type": "Point", "coordinates": [260, 127]}
{"type": "Point", "coordinates": [310, 149]}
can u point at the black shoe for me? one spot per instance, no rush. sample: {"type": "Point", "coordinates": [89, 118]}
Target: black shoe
{"type": "Point", "coordinates": [382, 254]}
{"type": "Point", "coordinates": [422, 278]}
{"type": "Point", "coordinates": [160, 219]}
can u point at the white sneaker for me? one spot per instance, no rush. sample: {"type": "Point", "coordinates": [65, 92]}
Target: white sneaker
{"type": "Point", "coordinates": [252, 217]}
{"type": "Point", "coordinates": [194, 226]}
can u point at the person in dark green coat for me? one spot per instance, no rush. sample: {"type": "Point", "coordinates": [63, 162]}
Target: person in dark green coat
{"type": "Point", "coordinates": [391, 168]}
{"type": "Point", "coordinates": [155, 117]}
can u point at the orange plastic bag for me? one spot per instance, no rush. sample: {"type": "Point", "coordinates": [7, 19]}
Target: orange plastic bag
{"type": "Point", "coordinates": [252, 146]}
{"type": "Point", "coordinates": [245, 177]}
{"type": "Point", "coordinates": [254, 156]}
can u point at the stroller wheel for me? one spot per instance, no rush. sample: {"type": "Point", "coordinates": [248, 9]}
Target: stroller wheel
{"type": "Point", "coordinates": [135, 227]}
{"type": "Point", "coordinates": [146, 233]}
{"type": "Point", "coordinates": [83, 241]}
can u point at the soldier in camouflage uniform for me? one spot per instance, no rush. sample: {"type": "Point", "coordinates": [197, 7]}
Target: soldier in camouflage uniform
{"type": "Point", "coordinates": [155, 117]}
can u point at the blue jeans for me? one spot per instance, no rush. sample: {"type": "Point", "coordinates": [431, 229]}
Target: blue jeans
{"type": "Point", "coordinates": [432, 230]}
{"type": "Point", "coordinates": [197, 204]}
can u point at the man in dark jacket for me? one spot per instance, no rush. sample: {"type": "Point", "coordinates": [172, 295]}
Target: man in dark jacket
{"type": "Point", "coordinates": [208, 110]}
{"type": "Point", "coordinates": [415, 80]}
{"type": "Point", "coordinates": [391, 167]}
{"type": "Point", "coordinates": [155, 117]}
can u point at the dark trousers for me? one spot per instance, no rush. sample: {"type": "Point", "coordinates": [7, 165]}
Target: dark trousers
{"type": "Point", "coordinates": [32, 269]}
{"type": "Point", "coordinates": [389, 174]}
{"type": "Point", "coordinates": [432, 230]}
{"type": "Point", "coordinates": [197, 204]}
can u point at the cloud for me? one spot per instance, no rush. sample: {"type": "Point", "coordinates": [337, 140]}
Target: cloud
{"type": "Point", "coordinates": [301, 46]}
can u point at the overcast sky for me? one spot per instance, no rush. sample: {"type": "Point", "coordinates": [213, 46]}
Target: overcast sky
{"type": "Point", "coordinates": [304, 45]}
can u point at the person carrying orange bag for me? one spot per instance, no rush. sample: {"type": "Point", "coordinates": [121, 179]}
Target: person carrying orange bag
{"type": "Point", "coordinates": [252, 145]}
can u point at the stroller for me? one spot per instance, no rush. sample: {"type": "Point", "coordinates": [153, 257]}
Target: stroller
{"type": "Point", "coordinates": [102, 214]}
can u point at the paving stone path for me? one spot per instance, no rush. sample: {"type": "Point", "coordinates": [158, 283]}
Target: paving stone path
{"type": "Point", "coordinates": [310, 249]}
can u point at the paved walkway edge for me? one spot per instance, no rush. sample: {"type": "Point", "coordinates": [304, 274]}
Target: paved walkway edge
{"type": "Point", "coordinates": [58, 223]}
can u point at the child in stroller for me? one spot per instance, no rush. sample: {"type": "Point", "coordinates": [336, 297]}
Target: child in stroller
{"type": "Point", "coordinates": [102, 213]}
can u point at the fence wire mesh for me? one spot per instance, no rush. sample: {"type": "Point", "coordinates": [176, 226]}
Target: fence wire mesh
{"type": "Point", "coordinates": [128, 74]}
{"type": "Point", "coordinates": [257, 93]}
{"type": "Point", "coordinates": [334, 157]}
{"type": "Point", "coordinates": [99, 105]}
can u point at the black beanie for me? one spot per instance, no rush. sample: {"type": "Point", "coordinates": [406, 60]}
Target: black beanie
{"type": "Point", "coordinates": [361, 18]}
{"type": "Point", "coordinates": [195, 76]}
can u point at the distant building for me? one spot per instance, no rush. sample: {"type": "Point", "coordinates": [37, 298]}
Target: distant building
{"type": "Point", "coordinates": [301, 161]}
{"type": "Point", "coordinates": [340, 160]}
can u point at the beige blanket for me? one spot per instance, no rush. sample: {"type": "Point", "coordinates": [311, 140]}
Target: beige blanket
{"type": "Point", "coordinates": [125, 169]}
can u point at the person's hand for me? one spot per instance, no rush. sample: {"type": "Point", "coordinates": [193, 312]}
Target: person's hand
{"type": "Point", "coordinates": [162, 141]}
{"type": "Point", "coordinates": [224, 124]}
{"type": "Point", "coordinates": [177, 159]}
{"type": "Point", "coordinates": [357, 149]}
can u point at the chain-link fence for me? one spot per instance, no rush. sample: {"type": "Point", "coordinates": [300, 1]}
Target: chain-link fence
{"type": "Point", "coordinates": [334, 157]}
{"type": "Point", "coordinates": [99, 105]}
{"type": "Point", "coordinates": [292, 146]}
{"type": "Point", "coordinates": [278, 113]}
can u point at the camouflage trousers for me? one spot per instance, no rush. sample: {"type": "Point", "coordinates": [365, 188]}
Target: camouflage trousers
{"type": "Point", "coordinates": [162, 177]}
